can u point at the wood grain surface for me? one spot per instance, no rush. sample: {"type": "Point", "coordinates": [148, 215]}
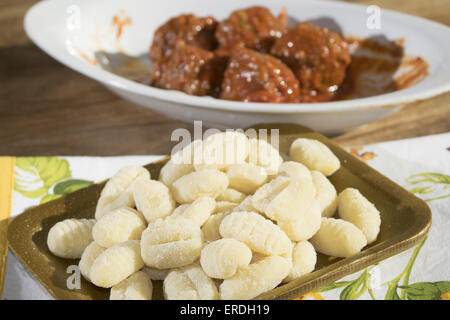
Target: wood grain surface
{"type": "Point", "coordinates": [48, 109]}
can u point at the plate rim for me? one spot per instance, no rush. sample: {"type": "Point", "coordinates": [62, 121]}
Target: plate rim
{"type": "Point", "coordinates": [389, 100]}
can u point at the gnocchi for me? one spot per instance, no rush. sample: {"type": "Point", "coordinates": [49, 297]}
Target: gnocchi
{"type": "Point", "coordinates": [246, 205]}
{"type": "Point", "coordinates": [171, 171]}
{"type": "Point", "coordinates": [304, 260]}
{"type": "Point", "coordinates": [263, 154]}
{"type": "Point", "coordinates": [355, 208]}
{"type": "Point", "coordinates": [231, 195]}
{"type": "Point", "coordinates": [246, 177]}
{"type": "Point", "coordinates": [325, 193]}
{"type": "Point", "coordinates": [171, 243]}
{"type": "Point", "coordinates": [156, 274]}
{"type": "Point", "coordinates": [222, 206]}
{"type": "Point", "coordinates": [222, 258]}
{"type": "Point", "coordinates": [198, 211]}
{"type": "Point", "coordinates": [338, 238]}
{"type": "Point", "coordinates": [116, 264]}
{"type": "Point", "coordinates": [153, 199]}
{"type": "Point", "coordinates": [205, 183]}
{"type": "Point", "coordinates": [188, 154]}
{"type": "Point", "coordinates": [227, 218]}
{"type": "Point", "coordinates": [314, 155]}
{"type": "Point", "coordinates": [211, 227]}
{"type": "Point", "coordinates": [68, 238]}
{"type": "Point", "coordinates": [291, 203]}
{"type": "Point", "coordinates": [258, 233]}
{"type": "Point", "coordinates": [136, 287]}
{"type": "Point", "coordinates": [304, 227]}
{"type": "Point", "coordinates": [189, 283]}
{"type": "Point", "coordinates": [221, 150]}
{"type": "Point", "coordinates": [294, 170]}
{"type": "Point", "coordinates": [264, 195]}
{"type": "Point", "coordinates": [118, 226]}
{"type": "Point", "coordinates": [88, 257]}
{"type": "Point", "coordinates": [254, 279]}
{"type": "Point", "coordinates": [118, 191]}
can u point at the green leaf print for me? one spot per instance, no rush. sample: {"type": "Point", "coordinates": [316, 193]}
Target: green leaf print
{"type": "Point", "coordinates": [356, 288]}
{"type": "Point", "coordinates": [334, 285]}
{"type": "Point", "coordinates": [49, 197]}
{"type": "Point", "coordinates": [45, 177]}
{"type": "Point", "coordinates": [422, 190]}
{"type": "Point", "coordinates": [429, 177]}
{"type": "Point", "coordinates": [427, 290]}
{"type": "Point", "coordinates": [393, 285]}
{"type": "Point", "coordinates": [70, 185]}
{"type": "Point", "coordinates": [34, 176]}
{"type": "Point", "coordinates": [392, 293]}
{"type": "Point", "coordinates": [434, 182]}
{"type": "Point", "coordinates": [422, 291]}
{"type": "Point", "coordinates": [444, 286]}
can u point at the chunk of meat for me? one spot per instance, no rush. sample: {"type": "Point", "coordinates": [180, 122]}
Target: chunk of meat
{"type": "Point", "coordinates": [194, 31]}
{"type": "Point", "coordinates": [189, 69]}
{"type": "Point", "coordinates": [254, 28]}
{"type": "Point", "coordinates": [256, 77]}
{"type": "Point", "coordinates": [317, 57]}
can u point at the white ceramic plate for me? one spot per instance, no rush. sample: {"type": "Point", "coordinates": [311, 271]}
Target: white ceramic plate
{"type": "Point", "coordinates": [73, 31]}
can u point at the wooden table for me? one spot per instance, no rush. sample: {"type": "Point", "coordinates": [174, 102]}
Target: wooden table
{"type": "Point", "coordinates": [48, 109]}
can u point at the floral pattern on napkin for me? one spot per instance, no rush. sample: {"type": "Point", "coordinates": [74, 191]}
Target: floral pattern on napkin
{"type": "Point", "coordinates": [45, 178]}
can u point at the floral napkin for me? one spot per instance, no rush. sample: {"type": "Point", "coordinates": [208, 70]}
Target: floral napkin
{"type": "Point", "coordinates": [421, 165]}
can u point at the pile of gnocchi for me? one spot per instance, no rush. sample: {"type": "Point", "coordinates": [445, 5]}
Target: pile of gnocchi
{"type": "Point", "coordinates": [229, 229]}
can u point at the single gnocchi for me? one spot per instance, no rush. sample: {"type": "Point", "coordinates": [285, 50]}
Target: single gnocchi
{"type": "Point", "coordinates": [156, 274]}
{"type": "Point", "coordinates": [222, 206]}
{"type": "Point", "coordinates": [221, 150]}
{"type": "Point", "coordinates": [263, 154]}
{"type": "Point", "coordinates": [118, 226]}
{"type": "Point", "coordinates": [290, 203]}
{"type": "Point", "coordinates": [246, 205]}
{"type": "Point", "coordinates": [189, 283]}
{"type": "Point", "coordinates": [69, 238]}
{"type": "Point", "coordinates": [136, 287]}
{"type": "Point", "coordinates": [116, 264]}
{"type": "Point", "coordinates": [246, 177]}
{"type": "Point", "coordinates": [222, 258]}
{"type": "Point", "coordinates": [304, 260]}
{"type": "Point", "coordinates": [304, 227]}
{"type": "Point", "coordinates": [171, 243]}
{"type": "Point", "coordinates": [338, 238]}
{"type": "Point", "coordinates": [171, 171]}
{"type": "Point", "coordinates": [211, 227]}
{"type": "Point", "coordinates": [258, 233]}
{"type": "Point", "coordinates": [315, 155]}
{"type": "Point", "coordinates": [325, 193]}
{"type": "Point", "coordinates": [180, 209]}
{"type": "Point", "coordinates": [205, 183]}
{"type": "Point", "coordinates": [188, 154]}
{"type": "Point", "coordinates": [294, 170]}
{"type": "Point", "coordinates": [88, 257]}
{"type": "Point", "coordinates": [255, 279]}
{"type": "Point", "coordinates": [231, 195]}
{"type": "Point", "coordinates": [118, 191]}
{"type": "Point", "coordinates": [355, 208]}
{"type": "Point", "coordinates": [153, 199]}
{"type": "Point", "coordinates": [264, 195]}
{"type": "Point", "coordinates": [198, 211]}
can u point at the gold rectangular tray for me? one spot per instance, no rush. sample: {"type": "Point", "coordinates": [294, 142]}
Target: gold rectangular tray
{"type": "Point", "coordinates": [405, 220]}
